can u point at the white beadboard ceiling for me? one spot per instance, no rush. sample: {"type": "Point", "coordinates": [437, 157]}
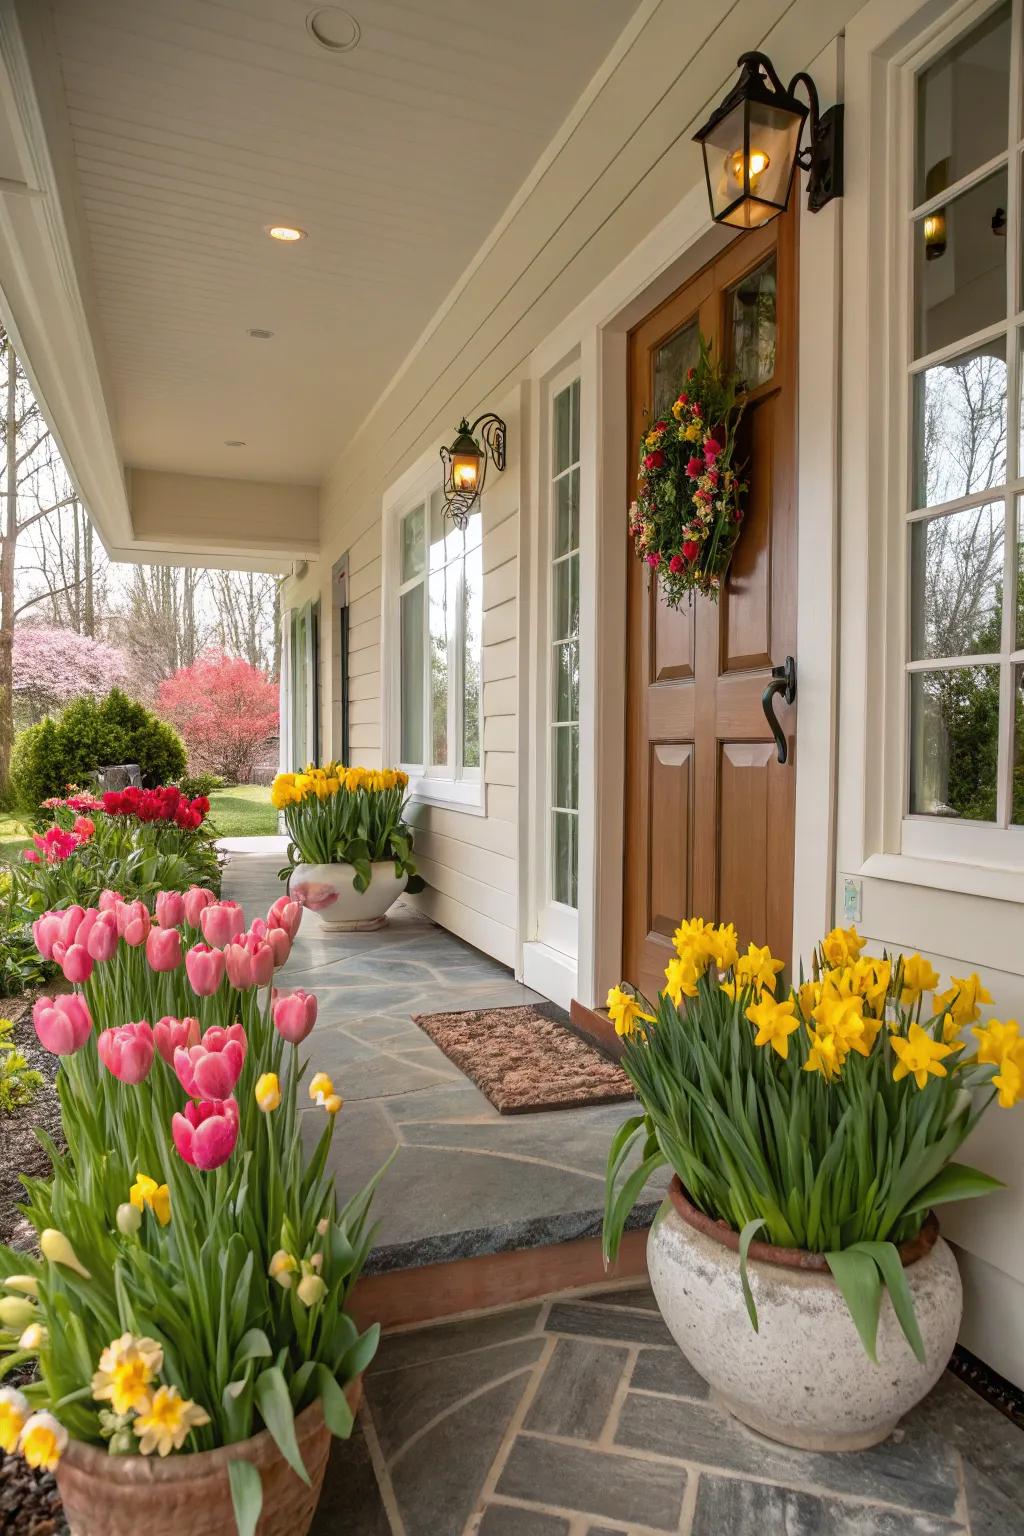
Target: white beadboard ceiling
{"type": "Point", "coordinates": [196, 123]}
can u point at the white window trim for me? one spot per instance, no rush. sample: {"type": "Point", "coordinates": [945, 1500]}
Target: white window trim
{"type": "Point", "coordinates": [888, 43]}
{"type": "Point", "coordinates": [427, 785]}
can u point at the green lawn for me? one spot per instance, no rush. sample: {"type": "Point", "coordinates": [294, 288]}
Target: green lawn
{"type": "Point", "coordinates": [243, 811]}
{"type": "Point", "coordinates": [13, 838]}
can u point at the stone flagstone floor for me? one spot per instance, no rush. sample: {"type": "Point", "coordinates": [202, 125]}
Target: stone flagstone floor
{"type": "Point", "coordinates": [465, 1180]}
{"type": "Point", "coordinates": [578, 1416]}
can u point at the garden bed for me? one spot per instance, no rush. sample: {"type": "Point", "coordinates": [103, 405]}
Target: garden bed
{"type": "Point", "coordinates": [20, 1150]}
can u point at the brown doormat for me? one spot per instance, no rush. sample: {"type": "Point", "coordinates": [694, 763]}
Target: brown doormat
{"type": "Point", "coordinates": [523, 1059]}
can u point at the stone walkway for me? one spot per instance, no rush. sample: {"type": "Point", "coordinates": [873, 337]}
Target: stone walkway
{"type": "Point", "coordinates": [465, 1180]}
{"type": "Point", "coordinates": [578, 1416]}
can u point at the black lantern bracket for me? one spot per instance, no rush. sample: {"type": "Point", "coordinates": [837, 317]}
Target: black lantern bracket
{"type": "Point", "coordinates": [492, 432]}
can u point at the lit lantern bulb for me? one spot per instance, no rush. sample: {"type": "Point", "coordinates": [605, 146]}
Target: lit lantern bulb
{"type": "Point", "coordinates": [464, 473]}
{"type": "Point", "coordinates": [757, 164]}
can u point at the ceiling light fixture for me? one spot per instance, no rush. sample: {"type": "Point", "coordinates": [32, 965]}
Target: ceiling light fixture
{"type": "Point", "coordinates": [285, 232]}
{"type": "Point", "coordinates": [233, 442]}
{"type": "Point", "coordinates": [334, 29]}
{"type": "Point", "coordinates": [258, 334]}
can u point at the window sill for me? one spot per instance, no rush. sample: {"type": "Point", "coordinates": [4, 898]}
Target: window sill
{"type": "Point", "coordinates": [454, 794]}
{"type": "Point", "coordinates": [961, 879]}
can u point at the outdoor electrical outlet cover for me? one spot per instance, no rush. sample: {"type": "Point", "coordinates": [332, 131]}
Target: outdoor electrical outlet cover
{"type": "Point", "coordinates": [853, 891]}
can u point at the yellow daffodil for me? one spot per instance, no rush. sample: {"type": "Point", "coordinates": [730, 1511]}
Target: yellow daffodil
{"type": "Point", "coordinates": [268, 1092]}
{"type": "Point", "coordinates": [166, 1422]}
{"type": "Point", "coordinates": [995, 1040]}
{"type": "Point", "coordinates": [625, 1012]}
{"type": "Point", "coordinates": [127, 1369]}
{"type": "Point", "coordinates": [870, 979]}
{"type": "Point", "coordinates": [1010, 1077]}
{"type": "Point", "coordinates": [147, 1192]}
{"type": "Point", "coordinates": [695, 941]}
{"type": "Point", "coordinates": [841, 946]}
{"type": "Point", "coordinates": [724, 946]}
{"type": "Point", "coordinates": [774, 1022]}
{"type": "Point", "coordinates": [918, 976]}
{"type": "Point", "coordinates": [333, 1103]}
{"type": "Point", "coordinates": [918, 1056]}
{"type": "Point", "coordinates": [758, 968]}
{"type": "Point", "coordinates": [42, 1441]}
{"type": "Point", "coordinates": [842, 1019]}
{"type": "Point", "coordinates": [809, 997]}
{"type": "Point", "coordinates": [824, 1056]}
{"type": "Point", "coordinates": [34, 1338]}
{"type": "Point", "coordinates": [54, 1246]}
{"type": "Point", "coordinates": [14, 1411]}
{"type": "Point", "coordinates": [963, 999]}
{"type": "Point", "coordinates": [282, 1268]}
{"type": "Point", "coordinates": [680, 980]}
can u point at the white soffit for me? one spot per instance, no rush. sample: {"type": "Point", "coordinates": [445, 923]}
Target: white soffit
{"type": "Point", "coordinates": [194, 124]}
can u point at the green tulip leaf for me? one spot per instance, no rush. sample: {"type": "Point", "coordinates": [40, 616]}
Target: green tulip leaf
{"type": "Point", "coordinates": [275, 1405]}
{"type": "Point", "coordinates": [338, 1415]}
{"type": "Point", "coordinates": [246, 1496]}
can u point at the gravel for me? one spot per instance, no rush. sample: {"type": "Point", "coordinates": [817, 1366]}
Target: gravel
{"type": "Point", "coordinates": [29, 1502]}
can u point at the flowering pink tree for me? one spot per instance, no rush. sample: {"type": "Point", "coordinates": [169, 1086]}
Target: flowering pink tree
{"type": "Point", "coordinates": [225, 708]}
{"type": "Point", "coordinates": [54, 666]}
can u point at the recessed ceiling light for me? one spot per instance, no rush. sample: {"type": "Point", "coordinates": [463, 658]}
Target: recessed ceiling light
{"type": "Point", "coordinates": [285, 232]}
{"type": "Point", "coordinates": [333, 28]}
{"type": "Point", "coordinates": [233, 442]}
{"type": "Point", "coordinates": [260, 335]}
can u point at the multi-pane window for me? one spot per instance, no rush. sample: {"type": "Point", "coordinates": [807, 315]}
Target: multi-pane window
{"type": "Point", "coordinates": [564, 729]}
{"type": "Point", "coordinates": [440, 627]}
{"type": "Point", "coordinates": [965, 637]}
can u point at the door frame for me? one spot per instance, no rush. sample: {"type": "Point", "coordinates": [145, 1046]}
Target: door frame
{"type": "Point", "coordinates": [684, 243]}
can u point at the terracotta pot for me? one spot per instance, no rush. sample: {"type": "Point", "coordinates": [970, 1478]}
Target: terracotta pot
{"type": "Point", "coordinates": [803, 1378]}
{"type": "Point", "coordinates": [327, 890]}
{"type": "Point", "coordinates": [190, 1495]}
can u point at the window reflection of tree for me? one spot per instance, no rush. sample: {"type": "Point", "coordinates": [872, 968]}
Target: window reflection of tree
{"type": "Point", "coordinates": [964, 428]}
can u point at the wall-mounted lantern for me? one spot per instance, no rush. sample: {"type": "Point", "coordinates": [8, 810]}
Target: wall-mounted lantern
{"type": "Point", "coordinates": [751, 145]}
{"type": "Point", "coordinates": [465, 464]}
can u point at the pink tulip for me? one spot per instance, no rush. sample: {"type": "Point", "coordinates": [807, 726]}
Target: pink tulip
{"type": "Point", "coordinates": [221, 922]}
{"type": "Point", "coordinates": [137, 931]}
{"type": "Point", "coordinates": [205, 967]}
{"type": "Point", "coordinates": [63, 1024]}
{"type": "Point", "coordinates": [193, 901]}
{"type": "Point", "coordinates": [109, 901]}
{"type": "Point", "coordinates": [170, 1035]}
{"type": "Point", "coordinates": [132, 912]}
{"type": "Point", "coordinates": [281, 945]}
{"type": "Point", "coordinates": [69, 924]}
{"type": "Point", "coordinates": [45, 930]}
{"type": "Point", "coordinates": [127, 1051]}
{"type": "Point", "coordinates": [163, 949]}
{"type": "Point", "coordinates": [77, 964]}
{"type": "Point", "coordinates": [238, 963]}
{"type": "Point", "coordinates": [86, 926]}
{"type": "Point", "coordinates": [170, 909]}
{"type": "Point", "coordinates": [286, 914]}
{"type": "Point", "coordinates": [264, 961]}
{"type": "Point", "coordinates": [205, 1133]}
{"type": "Point", "coordinates": [103, 937]}
{"type": "Point", "coordinates": [294, 1014]}
{"type": "Point", "coordinates": [211, 1069]}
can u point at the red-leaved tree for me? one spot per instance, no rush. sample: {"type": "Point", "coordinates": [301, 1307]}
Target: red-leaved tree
{"type": "Point", "coordinates": [227, 711]}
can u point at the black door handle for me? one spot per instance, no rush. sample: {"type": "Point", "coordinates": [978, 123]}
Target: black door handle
{"type": "Point", "coordinates": [784, 682]}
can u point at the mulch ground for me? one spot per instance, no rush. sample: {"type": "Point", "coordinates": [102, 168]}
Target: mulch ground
{"type": "Point", "coordinates": [522, 1060]}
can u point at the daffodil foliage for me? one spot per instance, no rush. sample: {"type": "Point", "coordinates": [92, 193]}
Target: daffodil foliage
{"type": "Point", "coordinates": [823, 1116]}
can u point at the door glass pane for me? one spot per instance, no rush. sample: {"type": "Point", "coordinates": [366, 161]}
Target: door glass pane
{"type": "Point", "coordinates": [567, 681]}
{"type": "Point", "coordinates": [753, 325]}
{"type": "Point", "coordinates": [439, 668]}
{"type": "Point", "coordinates": [562, 430]}
{"type": "Point", "coordinates": [1017, 811]}
{"type": "Point", "coordinates": [412, 674]}
{"type": "Point", "coordinates": [564, 857]}
{"type": "Point", "coordinates": [960, 266]}
{"type": "Point", "coordinates": [960, 425]}
{"type": "Point", "coordinates": [414, 544]}
{"type": "Point", "coordinates": [671, 360]}
{"type": "Point", "coordinates": [472, 638]}
{"type": "Point", "coordinates": [565, 745]}
{"type": "Point", "coordinates": [956, 581]}
{"type": "Point", "coordinates": [954, 742]}
{"type": "Point", "coordinates": [962, 106]}
{"type": "Point", "coordinates": [566, 599]}
{"type": "Point", "coordinates": [567, 513]}
{"type": "Point", "coordinates": [575, 442]}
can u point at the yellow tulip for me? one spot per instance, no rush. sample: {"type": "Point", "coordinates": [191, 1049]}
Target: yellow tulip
{"type": "Point", "coordinates": [268, 1092]}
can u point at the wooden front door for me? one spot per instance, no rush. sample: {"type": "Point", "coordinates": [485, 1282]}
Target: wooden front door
{"type": "Point", "coordinates": [709, 809]}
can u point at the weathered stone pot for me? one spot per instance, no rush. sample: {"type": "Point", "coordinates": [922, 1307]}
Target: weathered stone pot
{"type": "Point", "coordinates": [190, 1495]}
{"type": "Point", "coordinates": [327, 890]}
{"type": "Point", "coordinates": [803, 1378]}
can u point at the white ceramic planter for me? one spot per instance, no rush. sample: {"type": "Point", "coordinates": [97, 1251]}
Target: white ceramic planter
{"type": "Point", "coordinates": [803, 1378]}
{"type": "Point", "coordinates": [327, 890]}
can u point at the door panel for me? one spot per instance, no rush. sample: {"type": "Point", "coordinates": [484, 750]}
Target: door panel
{"type": "Point", "coordinates": [709, 810]}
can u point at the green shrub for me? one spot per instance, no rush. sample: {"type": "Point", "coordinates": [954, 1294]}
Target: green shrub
{"type": "Point", "coordinates": [18, 1081]}
{"type": "Point", "coordinates": [193, 784]}
{"type": "Point", "coordinates": [90, 734]}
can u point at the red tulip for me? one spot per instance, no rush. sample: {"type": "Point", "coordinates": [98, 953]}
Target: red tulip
{"type": "Point", "coordinates": [163, 949]}
{"type": "Point", "coordinates": [170, 1035]}
{"type": "Point", "coordinates": [170, 909]}
{"type": "Point", "coordinates": [63, 1024]}
{"type": "Point", "coordinates": [205, 968]}
{"type": "Point", "coordinates": [205, 1134]}
{"type": "Point", "coordinates": [127, 1051]}
{"type": "Point", "coordinates": [691, 549]}
{"type": "Point", "coordinates": [294, 1014]}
